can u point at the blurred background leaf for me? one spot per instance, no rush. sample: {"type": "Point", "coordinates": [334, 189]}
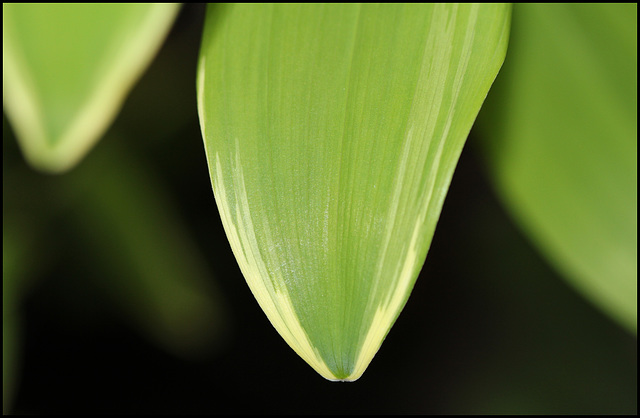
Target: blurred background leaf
{"type": "Point", "coordinates": [112, 236]}
{"type": "Point", "coordinates": [17, 258]}
{"type": "Point", "coordinates": [154, 272]}
{"type": "Point", "coordinates": [121, 246]}
{"type": "Point", "coordinates": [67, 68]}
{"type": "Point", "coordinates": [489, 328]}
{"type": "Point", "coordinates": [561, 130]}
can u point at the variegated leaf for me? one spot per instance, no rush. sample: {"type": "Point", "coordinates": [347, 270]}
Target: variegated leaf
{"type": "Point", "coordinates": [67, 69]}
{"type": "Point", "coordinates": [332, 132]}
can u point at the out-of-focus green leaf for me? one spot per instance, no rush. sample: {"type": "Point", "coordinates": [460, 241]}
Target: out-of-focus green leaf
{"type": "Point", "coordinates": [18, 265]}
{"type": "Point", "coordinates": [562, 125]}
{"type": "Point", "coordinates": [332, 133]}
{"type": "Point", "coordinates": [153, 271]}
{"type": "Point", "coordinates": [11, 264]}
{"type": "Point", "coordinates": [23, 259]}
{"type": "Point", "coordinates": [67, 68]}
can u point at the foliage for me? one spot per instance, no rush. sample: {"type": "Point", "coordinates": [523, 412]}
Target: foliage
{"type": "Point", "coordinates": [557, 134]}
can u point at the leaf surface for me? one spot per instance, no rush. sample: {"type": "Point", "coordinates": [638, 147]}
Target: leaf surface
{"type": "Point", "coordinates": [561, 129]}
{"type": "Point", "coordinates": [67, 68]}
{"type": "Point", "coordinates": [332, 133]}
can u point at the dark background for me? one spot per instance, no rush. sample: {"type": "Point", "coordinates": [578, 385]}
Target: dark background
{"type": "Point", "coordinates": [490, 328]}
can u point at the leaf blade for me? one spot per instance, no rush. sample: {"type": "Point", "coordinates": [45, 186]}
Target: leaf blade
{"type": "Point", "coordinates": [67, 68]}
{"type": "Point", "coordinates": [330, 156]}
{"type": "Point", "coordinates": [563, 153]}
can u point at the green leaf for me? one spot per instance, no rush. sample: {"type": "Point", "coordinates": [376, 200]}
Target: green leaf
{"type": "Point", "coordinates": [332, 132]}
{"type": "Point", "coordinates": [12, 265]}
{"type": "Point", "coordinates": [153, 271]}
{"type": "Point", "coordinates": [563, 146]}
{"type": "Point", "coordinates": [67, 68]}
{"type": "Point", "coordinates": [21, 262]}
